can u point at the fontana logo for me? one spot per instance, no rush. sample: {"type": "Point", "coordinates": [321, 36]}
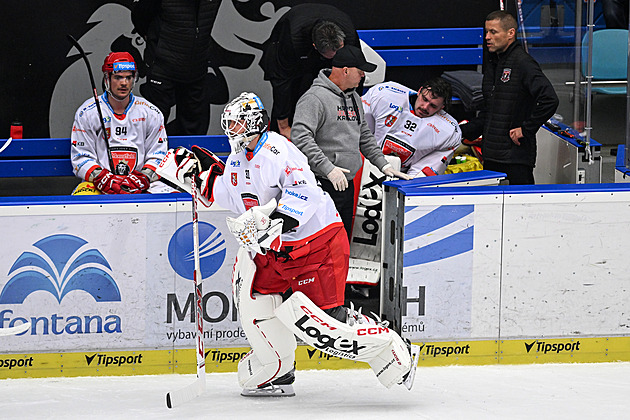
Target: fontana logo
{"type": "Point", "coordinates": [212, 250]}
{"type": "Point", "coordinates": [60, 264]}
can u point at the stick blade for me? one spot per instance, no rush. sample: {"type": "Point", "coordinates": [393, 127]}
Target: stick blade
{"type": "Point", "coordinates": [18, 329]}
{"type": "Point", "coordinates": [188, 393]}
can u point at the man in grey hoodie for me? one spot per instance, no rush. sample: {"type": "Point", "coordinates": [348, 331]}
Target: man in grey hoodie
{"type": "Point", "coordinates": [330, 129]}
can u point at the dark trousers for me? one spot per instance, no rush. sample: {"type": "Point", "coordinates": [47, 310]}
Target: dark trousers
{"type": "Point", "coordinates": [344, 201]}
{"type": "Point", "coordinates": [190, 98]}
{"type": "Point", "coordinates": [517, 174]}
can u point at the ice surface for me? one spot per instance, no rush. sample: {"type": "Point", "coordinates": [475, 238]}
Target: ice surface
{"type": "Point", "coordinates": [549, 391]}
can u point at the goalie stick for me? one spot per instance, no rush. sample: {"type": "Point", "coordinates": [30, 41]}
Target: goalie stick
{"type": "Point", "coordinates": [15, 330]}
{"type": "Point", "coordinates": [180, 396]}
{"type": "Point", "coordinates": [95, 94]}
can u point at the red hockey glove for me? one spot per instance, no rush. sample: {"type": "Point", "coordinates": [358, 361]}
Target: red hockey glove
{"type": "Point", "coordinates": [135, 183]}
{"type": "Point", "coordinates": [108, 183]}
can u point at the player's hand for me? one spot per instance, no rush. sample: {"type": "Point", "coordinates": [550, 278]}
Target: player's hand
{"type": "Point", "coordinates": [516, 134]}
{"type": "Point", "coordinates": [108, 183]}
{"type": "Point", "coordinates": [338, 179]}
{"type": "Point", "coordinates": [391, 172]}
{"type": "Point", "coordinates": [135, 183]}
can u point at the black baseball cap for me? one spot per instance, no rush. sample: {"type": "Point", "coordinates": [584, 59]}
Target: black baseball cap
{"type": "Point", "coordinates": [351, 56]}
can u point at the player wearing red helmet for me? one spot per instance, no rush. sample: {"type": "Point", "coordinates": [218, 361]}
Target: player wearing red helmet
{"type": "Point", "coordinates": [119, 75]}
{"type": "Point", "coordinates": [134, 128]}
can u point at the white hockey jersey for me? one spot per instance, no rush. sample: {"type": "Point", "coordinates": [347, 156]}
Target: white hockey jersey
{"type": "Point", "coordinates": [137, 138]}
{"type": "Point", "coordinates": [419, 142]}
{"type": "Point", "coordinates": [277, 169]}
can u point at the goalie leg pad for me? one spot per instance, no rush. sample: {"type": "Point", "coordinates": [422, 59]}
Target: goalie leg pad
{"type": "Point", "coordinates": [273, 345]}
{"type": "Point", "coordinates": [380, 347]}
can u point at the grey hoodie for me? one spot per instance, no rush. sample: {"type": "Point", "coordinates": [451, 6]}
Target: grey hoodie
{"type": "Point", "coordinates": [330, 129]}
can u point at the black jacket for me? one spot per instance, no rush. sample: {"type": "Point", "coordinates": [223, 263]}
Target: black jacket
{"type": "Point", "coordinates": [516, 94]}
{"type": "Point", "coordinates": [178, 36]}
{"type": "Point", "coordinates": [289, 59]}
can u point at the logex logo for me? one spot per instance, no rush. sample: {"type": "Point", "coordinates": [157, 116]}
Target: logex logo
{"type": "Point", "coordinates": [60, 264]}
{"type": "Point", "coordinates": [212, 250]}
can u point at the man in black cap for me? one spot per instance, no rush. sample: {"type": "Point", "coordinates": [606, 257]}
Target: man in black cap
{"type": "Point", "coordinates": [330, 129]}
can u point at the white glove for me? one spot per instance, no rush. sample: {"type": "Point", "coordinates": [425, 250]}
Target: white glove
{"type": "Point", "coordinates": [338, 179]}
{"type": "Point", "coordinates": [393, 173]}
{"type": "Point", "coordinates": [254, 229]}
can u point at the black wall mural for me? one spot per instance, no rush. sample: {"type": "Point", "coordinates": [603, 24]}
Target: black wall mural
{"type": "Point", "coordinates": [43, 81]}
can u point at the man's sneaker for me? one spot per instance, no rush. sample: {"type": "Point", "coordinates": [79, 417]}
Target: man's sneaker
{"type": "Point", "coordinates": [414, 352]}
{"type": "Point", "coordinates": [279, 387]}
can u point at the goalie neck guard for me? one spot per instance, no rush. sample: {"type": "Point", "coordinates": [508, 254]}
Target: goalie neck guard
{"type": "Point", "coordinates": [243, 119]}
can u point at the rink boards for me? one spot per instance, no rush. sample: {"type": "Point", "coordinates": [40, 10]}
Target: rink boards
{"type": "Point", "coordinates": [106, 283]}
{"type": "Point", "coordinates": [433, 353]}
{"type": "Point", "coordinates": [535, 267]}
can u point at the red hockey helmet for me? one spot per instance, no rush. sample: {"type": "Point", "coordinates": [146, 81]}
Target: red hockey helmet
{"type": "Point", "coordinates": [115, 62]}
{"type": "Point", "coordinates": [119, 61]}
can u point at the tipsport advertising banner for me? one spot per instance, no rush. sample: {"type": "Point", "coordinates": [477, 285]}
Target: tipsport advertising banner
{"type": "Point", "coordinates": [114, 276]}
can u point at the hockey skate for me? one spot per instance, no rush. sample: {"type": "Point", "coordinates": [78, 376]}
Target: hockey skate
{"type": "Point", "coordinates": [280, 387]}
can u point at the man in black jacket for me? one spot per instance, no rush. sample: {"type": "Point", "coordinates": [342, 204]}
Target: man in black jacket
{"type": "Point", "coordinates": [518, 99]}
{"type": "Point", "coordinates": [178, 39]}
{"type": "Point", "coordinates": [302, 42]}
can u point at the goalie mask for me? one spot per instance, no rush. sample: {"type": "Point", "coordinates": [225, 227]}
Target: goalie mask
{"type": "Point", "coordinates": [118, 62]}
{"type": "Point", "coordinates": [243, 119]}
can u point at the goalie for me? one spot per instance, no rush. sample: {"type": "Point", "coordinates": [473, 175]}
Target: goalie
{"type": "Point", "coordinates": [297, 238]}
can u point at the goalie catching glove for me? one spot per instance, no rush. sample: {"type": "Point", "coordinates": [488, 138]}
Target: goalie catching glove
{"type": "Point", "coordinates": [180, 165]}
{"type": "Point", "coordinates": [255, 230]}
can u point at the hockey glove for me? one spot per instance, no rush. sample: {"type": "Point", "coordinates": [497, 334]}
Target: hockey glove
{"type": "Point", "coordinates": [108, 183]}
{"type": "Point", "coordinates": [135, 183]}
{"type": "Point", "coordinates": [254, 229]}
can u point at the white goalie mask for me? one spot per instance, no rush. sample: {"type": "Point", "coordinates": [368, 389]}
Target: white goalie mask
{"type": "Point", "coordinates": [244, 118]}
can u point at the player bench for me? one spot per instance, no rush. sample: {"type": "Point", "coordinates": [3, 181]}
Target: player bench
{"type": "Point", "coordinates": [51, 157]}
{"type": "Point", "coordinates": [460, 46]}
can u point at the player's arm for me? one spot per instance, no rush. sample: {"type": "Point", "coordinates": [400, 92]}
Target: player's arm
{"type": "Point", "coordinates": [368, 101]}
{"type": "Point", "coordinates": [83, 152]}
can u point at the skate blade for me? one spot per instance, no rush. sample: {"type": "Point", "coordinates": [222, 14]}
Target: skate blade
{"type": "Point", "coordinates": [415, 356]}
{"type": "Point", "coordinates": [270, 391]}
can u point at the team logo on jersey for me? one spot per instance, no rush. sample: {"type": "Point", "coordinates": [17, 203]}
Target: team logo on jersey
{"type": "Point", "coordinates": [390, 120]}
{"type": "Point", "coordinates": [234, 179]}
{"type": "Point", "coordinates": [250, 200]}
{"type": "Point", "coordinates": [124, 159]}
{"type": "Point", "coordinates": [397, 147]}
{"type": "Point", "coordinates": [505, 77]}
